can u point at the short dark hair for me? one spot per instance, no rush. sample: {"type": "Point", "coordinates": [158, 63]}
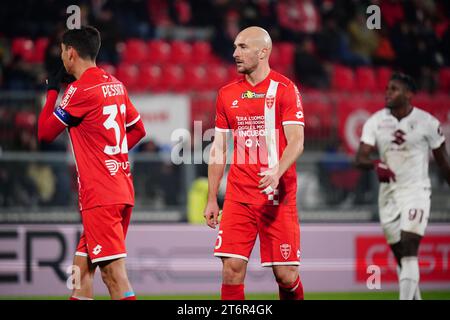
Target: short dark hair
{"type": "Point", "coordinates": [85, 40]}
{"type": "Point", "coordinates": [407, 81]}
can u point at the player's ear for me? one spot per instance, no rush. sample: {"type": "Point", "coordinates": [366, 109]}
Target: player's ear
{"type": "Point", "coordinates": [263, 53]}
{"type": "Point", "coordinates": [71, 53]}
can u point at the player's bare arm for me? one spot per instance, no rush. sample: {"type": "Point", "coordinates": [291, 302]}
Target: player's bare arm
{"type": "Point", "coordinates": [216, 167]}
{"type": "Point", "coordinates": [294, 148]}
{"type": "Point", "coordinates": [441, 156]}
{"type": "Point", "coordinates": [362, 159]}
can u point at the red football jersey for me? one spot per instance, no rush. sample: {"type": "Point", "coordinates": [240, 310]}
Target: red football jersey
{"type": "Point", "coordinates": [96, 109]}
{"type": "Point", "coordinates": [256, 115]}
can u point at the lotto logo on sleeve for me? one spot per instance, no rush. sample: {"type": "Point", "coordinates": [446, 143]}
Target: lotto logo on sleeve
{"type": "Point", "coordinates": [434, 258]}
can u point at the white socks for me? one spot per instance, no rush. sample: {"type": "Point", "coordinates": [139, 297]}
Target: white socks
{"type": "Point", "coordinates": [409, 278]}
{"type": "Point", "coordinates": [417, 295]}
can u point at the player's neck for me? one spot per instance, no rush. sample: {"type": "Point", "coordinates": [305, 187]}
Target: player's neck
{"type": "Point", "coordinates": [402, 112]}
{"type": "Point", "coordinates": [82, 67]}
{"type": "Point", "coordinates": [258, 75]}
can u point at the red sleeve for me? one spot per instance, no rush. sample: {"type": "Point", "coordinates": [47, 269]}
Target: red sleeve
{"type": "Point", "coordinates": [132, 115]}
{"type": "Point", "coordinates": [135, 133]}
{"type": "Point", "coordinates": [49, 125]}
{"type": "Point", "coordinates": [77, 102]}
{"type": "Point", "coordinates": [291, 106]}
{"type": "Point", "coordinates": [221, 117]}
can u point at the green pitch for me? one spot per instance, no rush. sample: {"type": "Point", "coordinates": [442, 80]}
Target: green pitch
{"type": "Point", "coordinates": [375, 295]}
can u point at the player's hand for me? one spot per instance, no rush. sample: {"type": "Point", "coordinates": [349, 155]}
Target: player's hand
{"type": "Point", "coordinates": [211, 214]}
{"type": "Point", "coordinates": [385, 175]}
{"type": "Point", "coordinates": [270, 180]}
{"type": "Point", "coordinates": [54, 79]}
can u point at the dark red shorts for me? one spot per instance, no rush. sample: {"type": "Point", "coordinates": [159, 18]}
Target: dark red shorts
{"type": "Point", "coordinates": [277, 227]}
{"type": "Point", "coordinates": [105, 229]}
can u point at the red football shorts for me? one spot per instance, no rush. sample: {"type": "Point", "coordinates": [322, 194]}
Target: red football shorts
{"type": "Point", "coordinates": [277, 226]}
{"type": "Point", "coordinates": [105, 229]}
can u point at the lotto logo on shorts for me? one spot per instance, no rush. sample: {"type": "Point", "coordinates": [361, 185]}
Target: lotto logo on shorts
{"type": "Point", "coordinates": [285, 250]}
{"type": "Point", "coordinates": [97, 249]}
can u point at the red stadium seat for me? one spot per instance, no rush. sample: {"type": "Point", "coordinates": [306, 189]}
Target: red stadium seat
{"type": "Point", "coordinates": [108, 68]}
{"type": "Point", "coordinates": [135, 51]}
{"type": "Point", "coordinates": [444, 80]}
{"type": "Point", "coordinates": [287, 52]}
{"type": "Point", "coordinates": [437, 104]}
{"type": "Point", "coordinates": [201, 52]}
{"type": "Point", "coordinates": [23, 47]}
{"type": "Point", "coordinates": [343, 79]}
{"type": "Point", "coordinates": [202, 109]}
{"type": "Point", "coordinates": [25, 120]}
{"type": "Point", "coordinates": [149, 78]}
{"type": "Point", "coordinates": [275, 56]}
{"type": "Point", "coordinates": [172, 78]}
{"type": "Point", "coordinates": [232, 73]}
{"type": "Point", "coordinates": [365, 79]}
{"type": "Point", "coordinates": [158, 51]}
{"type": "Point", "coordinates": [319, 118]}
{"type": "Point", "coordinates": [285, 69]}
{"type": "Point", "coordinates": [217, 75]}
{"type": "Point", "coordinates": [40, 45]}
{"type": "Point", "coordinates": [423, 101]}
{"type": "Point", "coordinates": [154, 76]}
{"type": "Point", "coordinates": [180, 52]}
{"type": "Point", "coordinates": [383, 74]}
{"type": "Point", "coordinates": [128, 75]}
{"type": "Point", "coordinates": [195, 77]}
{"type": "Point", "coordinates": [440, 108]}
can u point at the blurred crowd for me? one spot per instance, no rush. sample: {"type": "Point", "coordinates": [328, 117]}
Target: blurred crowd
{"type": "Point", "coordinates": [414, 37]}
{"type": "Point", "coordinates": [414, 34]}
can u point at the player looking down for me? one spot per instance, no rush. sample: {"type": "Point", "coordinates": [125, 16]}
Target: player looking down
{"type": "Point", "coordinates": [102, 124]}
{"type": "Point", "coordinates": [263, 111]}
